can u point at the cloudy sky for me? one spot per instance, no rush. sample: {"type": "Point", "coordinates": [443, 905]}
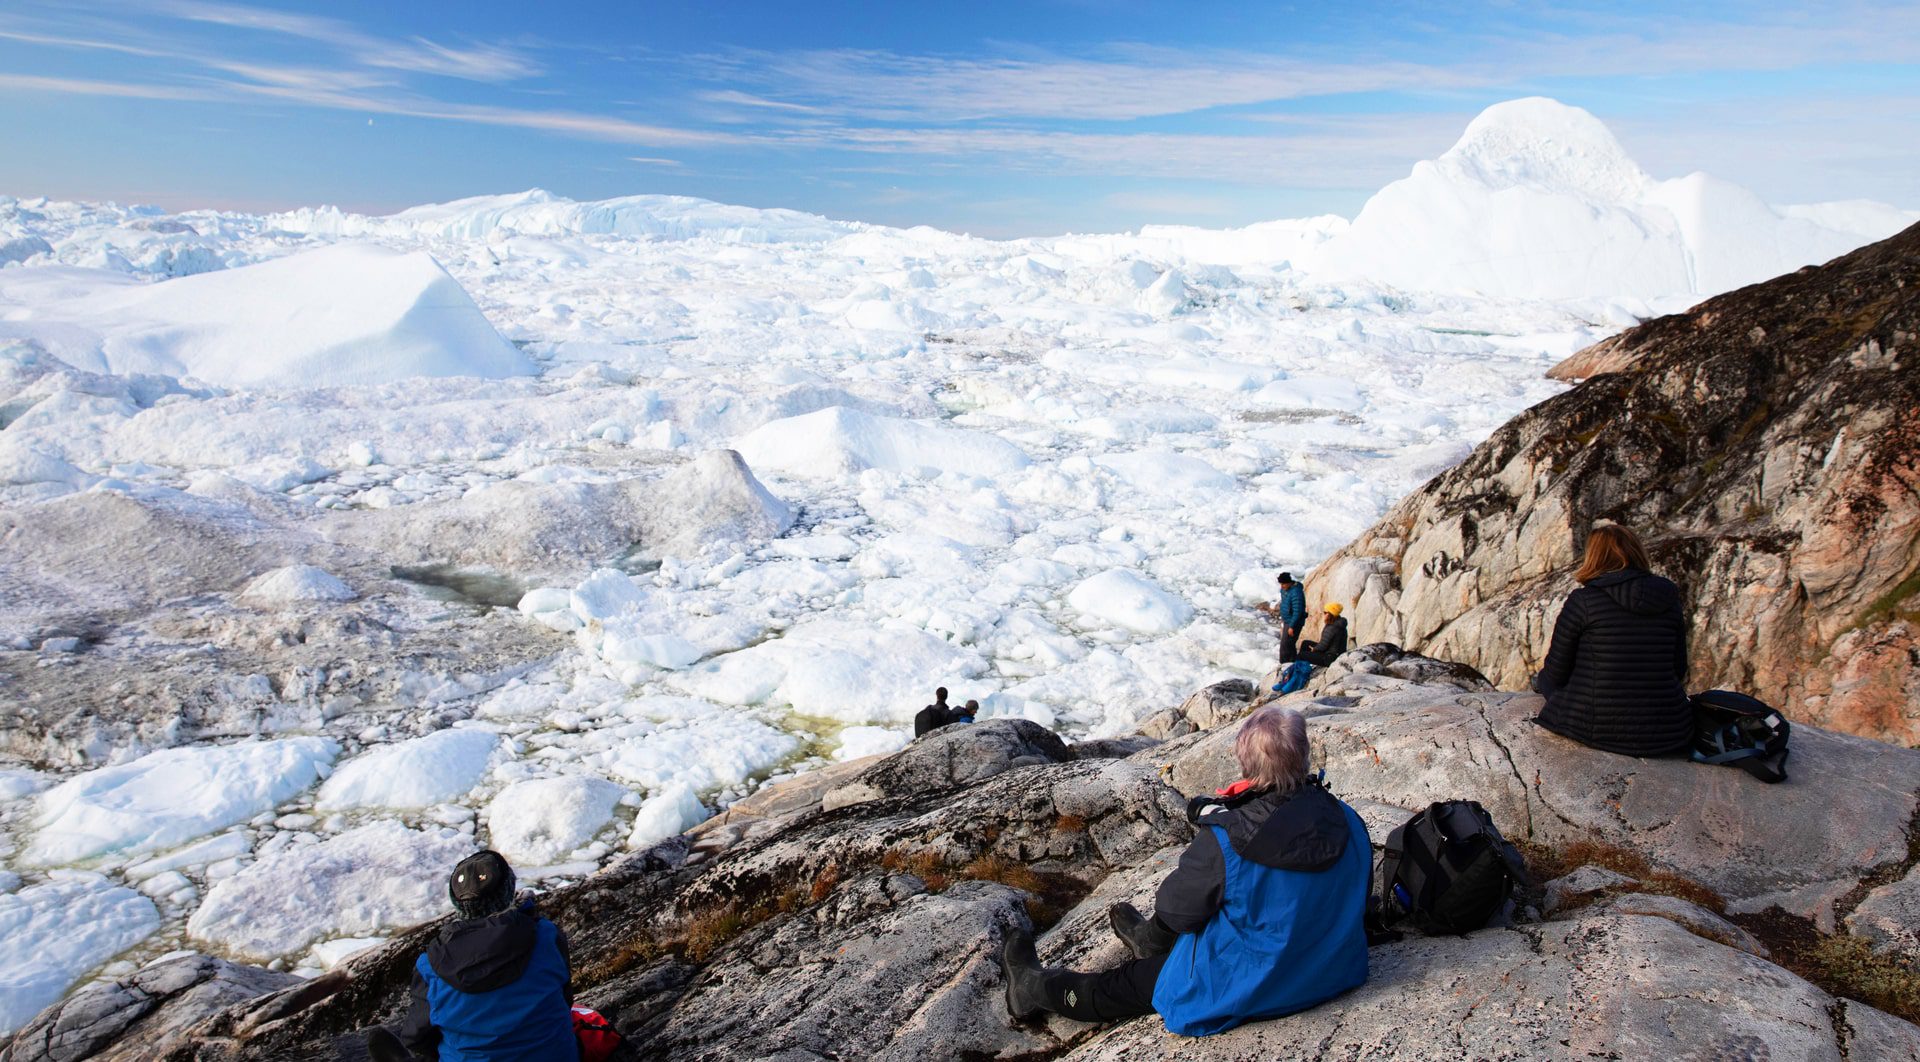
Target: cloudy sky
{"type": "Point", "coordinates": [993, 118]}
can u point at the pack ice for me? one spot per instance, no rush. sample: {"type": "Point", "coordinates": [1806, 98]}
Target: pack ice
{"type": "Point", "coordinates": [333, 547]}
{"type": "Point", "coordinates": [347, 314]}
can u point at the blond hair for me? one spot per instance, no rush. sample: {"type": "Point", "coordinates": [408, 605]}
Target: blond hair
{"type": "Point", "coordinates": [1272, 749]}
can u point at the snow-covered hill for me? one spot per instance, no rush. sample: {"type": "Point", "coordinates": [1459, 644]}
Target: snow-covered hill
{"type": "Point", "coordinates": [1538, 200]}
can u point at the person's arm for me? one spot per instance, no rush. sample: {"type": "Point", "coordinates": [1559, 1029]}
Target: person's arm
{"type": "Point", "coordinates": [1680, 650]}
{"type": "Point", "coordinates": [1191, 895]}
{"type": "Point", "coordinates": [416, 1029]}
{"type": "Point", "coordinates": [1565, 646]}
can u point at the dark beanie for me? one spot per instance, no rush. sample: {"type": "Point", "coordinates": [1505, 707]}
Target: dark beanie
{"type": "Point", "coordinates": [1286, 577]}
{"type": "Point", "coordinates": [481, 884]}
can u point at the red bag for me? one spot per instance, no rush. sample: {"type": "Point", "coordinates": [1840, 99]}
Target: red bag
{"type": "Point", "coordinates": [598, 1038]}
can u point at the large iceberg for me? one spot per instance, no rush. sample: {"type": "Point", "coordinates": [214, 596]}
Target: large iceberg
{"type": "Point", "coordinates": [1539, 200]}
{"type": "Point", "coordinates": [348, 314]}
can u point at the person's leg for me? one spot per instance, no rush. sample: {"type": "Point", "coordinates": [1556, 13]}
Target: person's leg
{"type": "Point", "coordinates": [383, 1046]}
{"type": "Point", "coordinates": [1126, 991]}
{"type": "Point", "coordinates": [1289, 643]}
{"type": "Point", "coordinates": [1143, 936]}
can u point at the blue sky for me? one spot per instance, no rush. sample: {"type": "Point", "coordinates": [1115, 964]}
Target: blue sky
{"type": "Point", "coordinates": [993, 118]}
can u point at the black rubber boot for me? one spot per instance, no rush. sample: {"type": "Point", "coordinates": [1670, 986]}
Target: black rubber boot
{"type": "Point", "coordinates": [1143, 936]}
{"type": "Point", "coordinates": [1026, 980]}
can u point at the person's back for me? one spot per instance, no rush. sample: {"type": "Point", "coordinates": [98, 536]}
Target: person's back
{"type": "Point", "coordinates": [492, 987]}
{"type": "Point", "coordinates": [1289, 932]}
{"type": "Point", "coordinates": [935, 715]}
{"type": "Point", "coordinates": [1333, 636]}
{"type": "Point", "coordinates": [1615, 673]}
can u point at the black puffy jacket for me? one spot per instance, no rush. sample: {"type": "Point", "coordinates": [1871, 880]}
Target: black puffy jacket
{"type": "Point", "coordinates": [1614, 677]}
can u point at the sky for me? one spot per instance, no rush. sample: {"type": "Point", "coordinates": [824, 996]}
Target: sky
{"type": "Point", "coordinates": [999, 119]}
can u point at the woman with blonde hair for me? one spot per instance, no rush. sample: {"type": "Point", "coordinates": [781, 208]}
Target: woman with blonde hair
{"type": "Point", "coordinates": [1614, 676]}
{"type": "Point", "coordinates": [1262, 917]}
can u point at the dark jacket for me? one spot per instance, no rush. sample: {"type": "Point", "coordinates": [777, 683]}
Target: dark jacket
{"type": "Point", "coordinates": [939, 714]}
{"type": "Point", "coordinates": [1615, 674]}
{"type": "Point", "coordinates": [495, 988]}
{"type": "Point", "coordinates": [1331, 643]}
{"type": "Point", "coordinates": [1293, 606]}
{"type": "Point", "coordinates": [1270, 901]}
{"type": "Point", "coordinates": [1304, 831]}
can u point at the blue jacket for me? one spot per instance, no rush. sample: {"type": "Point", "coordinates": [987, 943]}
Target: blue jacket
{"type": "Point", "coordinates": [1293, 606]}
{"type": "Point", "coordinates": [493, 989]}
{"type": "Point", "coordinates": [1286, 880]}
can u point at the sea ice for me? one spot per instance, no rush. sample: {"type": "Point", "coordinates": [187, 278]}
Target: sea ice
{"type": "Point", "coordinates": [674, 811]}
{"type": "Point", "coordinates": [296, 583]}
{"type": "Point", "coordinates": [346, 314]}
{"type": "Point", "coordinates": [377, 877]}
{"type": "Point", "coordinates": [541, 820]}
{"type": "Point", "coordinates": [436, 769]}
{"type": "Point", "coordinates": [1126, 599]}
{"type": "Point", "coordinates": [53, 934]}
{"type": "Point", "coordinates": [170, 796]}
{"type": "Point", "coordinates": [839, 441]}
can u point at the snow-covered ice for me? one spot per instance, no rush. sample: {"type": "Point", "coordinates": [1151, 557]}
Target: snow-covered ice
{"type": "Point", "coordinates": [346, 314]}
{"type": "Point", "coordinates": [440, 767]}
{"type": "Point", "coordinates": [376, 877]}
{"type": "Point", "coordinates": [170, 796]}
{"type": "Point", "coordinates": [540, 821]}
{"type": "Point", "coordinates": [683, 496]}
{"type": "Point", "coordinates": [296, 583]}
{"type": "Point", "coordinates": [52, 934]}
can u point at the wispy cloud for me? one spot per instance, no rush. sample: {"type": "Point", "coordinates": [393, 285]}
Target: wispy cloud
{"type": "Point", "coordinates": [646, 160]}
{"type": "Point", "coordinates": [87, 87]}
{"type": "Point", "coordinates": [473, 62]}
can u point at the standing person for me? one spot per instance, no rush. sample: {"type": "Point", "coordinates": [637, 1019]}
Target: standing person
{"type": "Point", "coordinates": [935, 715]}
{"type": "Point", "coordinates": [494, 986]}
{"type": "Point", "coordinates": [1263, 915]}
{"type": "Point", "coordinates": [1291, 610]}
{"type": "Point", "coordinates": [1332, 642]}
{"type": "Point", "coordinates": [1615, 673]}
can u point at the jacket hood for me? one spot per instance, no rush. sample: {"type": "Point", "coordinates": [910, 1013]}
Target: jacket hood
{"type": "Point", "coordinates": [1638, 592]}
{"type": "Point", "coordinates": [482, 954]}
{"type": "Point", "coordinates": [1304, 830]}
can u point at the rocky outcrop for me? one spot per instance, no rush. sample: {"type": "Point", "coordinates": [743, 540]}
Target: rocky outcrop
{"type": "Point", "coordinates": [1617, 986]}
{"type": "Point", "coordinates": [1767, 446]}
{"type": "Point", "coordinates": [801, 928]}
{"type": "Point", "coordinates": [145, 1015]}
{"type": "Point", "coordinates": [1793, 845]}
{"type": "Point", "coordinates": [953, 756]}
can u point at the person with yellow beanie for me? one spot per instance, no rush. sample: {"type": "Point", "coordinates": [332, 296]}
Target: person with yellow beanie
{"type": "Point", "coordinates": [1332, 642]}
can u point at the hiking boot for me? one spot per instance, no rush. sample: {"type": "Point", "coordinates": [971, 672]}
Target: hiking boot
{"type": "Point", "coordinates": [1142, 936]}
{"type": "Point", "coordinates": [1026, 979]}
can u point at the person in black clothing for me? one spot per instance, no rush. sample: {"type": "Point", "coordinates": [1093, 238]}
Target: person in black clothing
{"type": "Point", "coordinates": [495, 985]}
{"type": "Point", "coordinates": [939, 714]}
{"type": "Point", "coordinates": [1615, 673]}
{"type": "Point", "coordinates": [1332, 641]}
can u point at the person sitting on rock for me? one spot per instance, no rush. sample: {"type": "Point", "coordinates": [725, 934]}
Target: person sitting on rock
{"type": "Point", "coordinates": [1263, 916]}
{"type": "Point", "coordinates": [1291, 611]}
{"type": "Point", "coordinates": [495, 985]}
{"type": "Point", "coordinates": [1332, 641]}
{"type": "Point", "coordinates": [1615, 672]}
{"type": "Point", "coordinates": [939, 714]}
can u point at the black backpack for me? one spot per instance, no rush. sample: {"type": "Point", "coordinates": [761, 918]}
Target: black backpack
{"type": "Point", "coordinates": [1735, 729]}
{"type": "Point", "coordinates": [1448, 869]}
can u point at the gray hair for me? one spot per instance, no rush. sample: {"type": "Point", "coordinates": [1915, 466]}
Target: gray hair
{"type": "Point", "coordinates": [1272, 749]}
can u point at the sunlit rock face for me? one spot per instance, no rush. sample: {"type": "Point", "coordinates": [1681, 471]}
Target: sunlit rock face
{"type": "Point", "coordinates": [1764, 444]}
